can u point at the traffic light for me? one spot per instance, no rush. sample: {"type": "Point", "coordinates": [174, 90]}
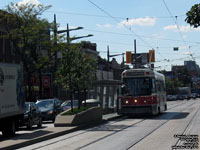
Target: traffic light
{"type": "Point", "coordinates": [151, 56]}
{"type": "Point", "coordinates": [129, 58]}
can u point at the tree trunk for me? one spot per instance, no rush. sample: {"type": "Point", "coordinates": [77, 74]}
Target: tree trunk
{"type": "Point", "coordinates": [79, 101]}
{"type": "Point", "coordinates": [40, 86]}
{"type": "Point", "coordinates": [85, 97]}
{"type": "Point", "coordinates": [28, 78]}
{"type": "Point", "coordinates": [71, 98]}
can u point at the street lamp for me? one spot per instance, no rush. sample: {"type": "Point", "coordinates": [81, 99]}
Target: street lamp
{"type": "Point", "coordinates": [79, 37]}
{"type": "Point", "coordinates": [74, 38]}
{"type": "Point", "coordinates": [61, 31]}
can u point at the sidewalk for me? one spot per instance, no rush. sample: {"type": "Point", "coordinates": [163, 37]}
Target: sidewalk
{"type": "Point", "coordinates": [21, 140]}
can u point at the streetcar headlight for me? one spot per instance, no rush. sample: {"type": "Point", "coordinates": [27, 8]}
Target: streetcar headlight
{"type": "Point", "coordinates": [126, 102]}
{"type": "Point", "coordinates": [135, 100]}
{"type": "Point", "coordinates": [145, 101]}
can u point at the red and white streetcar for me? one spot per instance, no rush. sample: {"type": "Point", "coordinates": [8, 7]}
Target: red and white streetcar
{"type": "Point", "coordinates": [142, 92]}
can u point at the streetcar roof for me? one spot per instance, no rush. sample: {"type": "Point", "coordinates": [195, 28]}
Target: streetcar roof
{"type": "Point", "coordinates": [142, 72]}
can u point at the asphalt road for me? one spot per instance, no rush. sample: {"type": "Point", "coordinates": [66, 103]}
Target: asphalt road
{"type": "Point", "coordinates": [142, 133]}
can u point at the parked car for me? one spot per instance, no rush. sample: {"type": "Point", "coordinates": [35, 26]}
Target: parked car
{"type": "Point", "coordinates": [67, 104]}
{"type": "Point", "coordinates": [91, 102]}
{"type": "Point", "coordinates": [194, 95]}
{"type": "Point", "coordinates": [182, 96]}
{"type": "Point", "coordinates": [171, 97]}
{"type": "Point", "coordinates": [32, 116]}
{"type": "Point", "coordinates": [49, 109]}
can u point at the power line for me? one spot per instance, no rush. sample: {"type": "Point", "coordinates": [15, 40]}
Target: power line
{"type": "Point", "coordinates": [101, 16]}
{"type": "Point", "coordinates": [120, 22]}
{"type": "Point", "coordinates": [135, 32]}
{"type": "Point", "coordinates": [176, 22]}
{"type": "Point", "coordinates": [139, 45]}
{"type": "Point", "coordinates": [123, 34]}
{"type": "Point", "coordinates": [123, 24]}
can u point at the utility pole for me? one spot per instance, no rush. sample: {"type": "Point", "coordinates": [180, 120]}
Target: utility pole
{"type": "Point", "coordinates": [108, 58]}
{"type": "Point", "coordinates": [70, 78]}
{"type": "Point", "coordinates": [135, 60]}
{"type": "Point", "coordinates": [55, 92]}
{"type": "Point", "coordinates": [69, 60]}
{"type": "Point", "coordinates": [108, 54]}
{"type": "Point", "coordinates": [68, 38]}
{"type": "Point", "coordinates": [123, 60]}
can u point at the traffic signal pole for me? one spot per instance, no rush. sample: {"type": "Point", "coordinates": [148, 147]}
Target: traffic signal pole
{"type": "Point", "coordinates": [135, 60]}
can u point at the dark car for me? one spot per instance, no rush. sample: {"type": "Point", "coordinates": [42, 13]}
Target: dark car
{"type": "Point", "coordinates": [193, 95]}
{"type": "Point", "coordinates": [67, 104]}
{"type": "Point", "coordinates": [171, 97]}
{"type": "Point", "coordinates": [181, 97]}
{"type": "Point", "coordinates": [49, 109]}
{"type": "Point", "coordinates": [32, 116]}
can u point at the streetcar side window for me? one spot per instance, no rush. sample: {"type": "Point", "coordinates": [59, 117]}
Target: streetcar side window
{"type": "Point", "coordinates": [153, 86]}
{"type": "Point", "coordinates": [160, 86]}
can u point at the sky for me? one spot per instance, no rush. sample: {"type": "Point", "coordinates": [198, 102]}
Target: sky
{"type": "Point", "coordinates": [154, 24]}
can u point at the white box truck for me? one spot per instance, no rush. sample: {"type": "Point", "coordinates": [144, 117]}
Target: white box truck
{"type": "Point", "coordinates": [12, 104]}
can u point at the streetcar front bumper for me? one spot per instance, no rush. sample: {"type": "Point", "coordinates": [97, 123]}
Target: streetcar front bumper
{"type": "Point", "coordinates": [129, 110]}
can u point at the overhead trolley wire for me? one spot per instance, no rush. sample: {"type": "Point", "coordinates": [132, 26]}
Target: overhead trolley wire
{"type": "Point", "coordinates": [101, 16]}
{"type": "Point", "coordinates": [120, 22]}
{"type": "Point", "coordinates": [130, 28]}
{"type": "Point", "coordinates": [124, 34]}
{"type": "Point", "coordinates": [176, 23]}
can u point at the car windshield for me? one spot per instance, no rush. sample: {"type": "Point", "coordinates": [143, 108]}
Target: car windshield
{"type": "Point", "coordinates": [27, 107]}
{"type": "Point", "coordinates": [45, 104]}
{"type": "Point", "coordinates": [137, 86]}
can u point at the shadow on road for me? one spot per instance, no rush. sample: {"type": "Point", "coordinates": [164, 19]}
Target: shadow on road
{"type": "Point", "coordinates": [24, 136]}
{"type": "Point", "coordinates": [162, 116]}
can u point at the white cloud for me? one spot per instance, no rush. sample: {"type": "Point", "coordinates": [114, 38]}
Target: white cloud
{"type": "Point", "coordinates": [147, 21]}
{"type": "Point", "coordinates": [181, 28]}
{"type": "Point", "coordinates": [23, 2]}
{"type": "Point", "coordinates": [104, 26]}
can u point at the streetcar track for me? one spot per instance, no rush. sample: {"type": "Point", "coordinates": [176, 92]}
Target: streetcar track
{"type": "Point", "coordinates": [118, 120]}
{"type": "Point", "coordinates": [131, 146]}
{"type": "Point", "coordinates": [187, 127]}
{"type": "Point", "coordinates": [115, 132]}
{"type": "Point", "coordinates": [128, 127]}
{"type": "Point", "coordinates": [110, 134]}
{"type": "Point", "coordinates": [177, 105]}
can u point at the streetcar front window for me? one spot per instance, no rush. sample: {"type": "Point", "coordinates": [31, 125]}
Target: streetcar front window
{"type": "Point", "coordinates": [137, 86]}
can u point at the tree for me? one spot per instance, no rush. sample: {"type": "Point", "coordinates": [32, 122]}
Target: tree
{"type": "Point", "coordinates": [76, 70]}
{"type": "Point", "coordinates": [172, 85]}
{"type": "Point", "coordinates": [193, 16]}
{"type": "Point", "coordinates": [29, 35]}
{"type": "Point", "coordinates": [184, 76]}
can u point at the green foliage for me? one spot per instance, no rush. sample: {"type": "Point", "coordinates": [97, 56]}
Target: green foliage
{"type": "Point", "coordinates": [172, 85]}
{"type": "Point", "coordinates": [28, 33]}
{"type": "Point", "coordinates": [76, 70]}
{"type": "Point", "coordinates": [75, 111]}
{"type": "Point", "coordinates": [29, 36]}
{"type": "Point", "coordinates": [193, 16]}
{"type": "Point", "coordinates": [184, 76]}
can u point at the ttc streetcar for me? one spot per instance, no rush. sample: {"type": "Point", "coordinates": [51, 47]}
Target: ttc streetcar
{"type": "Point", "coordinates": [142, 91]}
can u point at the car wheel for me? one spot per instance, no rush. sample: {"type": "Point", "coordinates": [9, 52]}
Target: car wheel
{"type": "Point", "coordinates": [53, 120]}
{"type": "Point", "coordinates": [40, 123]}
{"type": "Point", "coordinates": [30, 123]}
